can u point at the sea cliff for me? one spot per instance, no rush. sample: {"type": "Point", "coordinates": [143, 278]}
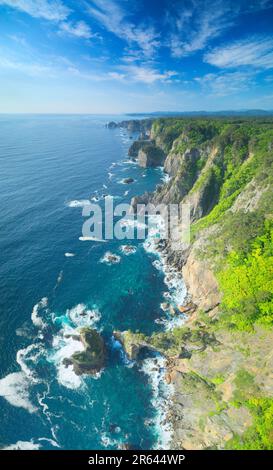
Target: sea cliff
{"type": "Point", "coordinates": [220, 361]}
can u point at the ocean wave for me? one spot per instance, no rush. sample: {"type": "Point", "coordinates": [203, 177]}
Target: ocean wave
{"type": "Point", "coordinates": [36, 313]}
{"type": "Point", "coordinates": [15, 389]}
{"type": "Point", "coordinates": [132, 223]}
{"type": "Point", "coordinates": [64, 345]}
{"type": "Point", "coordinates": [155, 369]}
{"type": "Point", "coordinates": [79, 203]}
{"type": "Point", "coordinates": [92, 239]}
{"type": "Point", "coordinates": [173, 279]}
{"type": "Point", "coordinates": [66, 342]}
{"type": "Point", "coordinates": [23, 445]}
{"type": "Point", "coordinates": [80, 315]}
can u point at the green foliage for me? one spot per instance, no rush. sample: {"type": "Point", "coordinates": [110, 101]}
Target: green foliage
{"type": "Point", "coordinates": [245, 386]}
{"type": "Point", "coordinates": [247, 284]}
{"type": "Point", "coordinates": [260, 435]}
{"type": "Point", "coordinates": [218, 379]}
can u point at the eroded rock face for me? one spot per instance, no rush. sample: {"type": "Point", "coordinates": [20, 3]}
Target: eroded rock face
{"type": "Point", "coordinates": [112, 125]}
{"type": "Point", "coordinates": [136, 146]}
{"type": "Point", "coordinates": [143, 199]}
{"type": "Point", "coordinates": [202, 414]}
{"type": "Point", "coordinates": [137, 125]}
{"type": "Point", "coordinates": [132, 343]}
{"type": "Point", "coordinates": [201, 283]}
{"type": "Point", "coordinates": [150, 156]}
{"type": "Point", "coordinates": [93, 358]}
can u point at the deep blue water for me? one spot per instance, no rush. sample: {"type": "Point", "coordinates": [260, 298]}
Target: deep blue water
{"type": "Point", "coordinates": [45, 163]}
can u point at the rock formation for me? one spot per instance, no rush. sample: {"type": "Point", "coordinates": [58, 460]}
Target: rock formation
{"type": "Point", "coordinates": [92, 359]}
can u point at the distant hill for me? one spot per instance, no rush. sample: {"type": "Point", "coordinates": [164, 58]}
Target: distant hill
{"type": "Point", "coordinates": [241, 112]}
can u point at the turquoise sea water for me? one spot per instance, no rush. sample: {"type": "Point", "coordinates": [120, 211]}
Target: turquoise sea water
{"type": "Point", "coordinates": [46, 164]}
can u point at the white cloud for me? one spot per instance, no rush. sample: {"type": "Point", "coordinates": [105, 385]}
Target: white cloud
{"type": "Point", "coordinates": [79, 29]}
{"type": "Point", "coordinates": [53, 10]}
{"type": "Point", "coordinates": [126, 74]}
{"type": "Point", "coordinates": [225, 84]}
{"type": "Point", "coordinates": [193, 27]}
{"type": "Point", "coordinates": [113, 18]}
{"type": "Point", "coordinates": [255, 52]}
{"type": "Point", "coordinates": [147, 74]}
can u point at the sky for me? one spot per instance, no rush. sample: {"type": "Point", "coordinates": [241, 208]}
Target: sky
{"type": "Point", "coordinates": [119, 56]}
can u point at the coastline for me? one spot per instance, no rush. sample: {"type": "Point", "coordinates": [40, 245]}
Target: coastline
{"type": "Point", "coordinates": [212, 356]}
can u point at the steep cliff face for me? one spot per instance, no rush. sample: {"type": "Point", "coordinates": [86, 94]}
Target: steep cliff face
{"type": "Point", "coordinates": [224, 385]}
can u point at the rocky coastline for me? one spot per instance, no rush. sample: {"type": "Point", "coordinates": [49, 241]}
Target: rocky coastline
{"type": "Point", "coordinates": [214, 369]}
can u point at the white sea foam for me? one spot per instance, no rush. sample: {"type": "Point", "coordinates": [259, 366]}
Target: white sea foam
{"type": "Point", "coordinates": [15, 389]}
{"type": "Point", "coordinates": [110, 258]}
{"type": "Point", "coordinates": [30, 353]}
{"type": "Point", "coordinates": [132, 223]}
{"type": "Point", "coordinates": [173, 279]}
{"type": "Point", "coordinates": [108, 441]}
{"type": "Point", "coordinates": [35, 315]}
{"type": "Point", "coordinates": [69, 255]}
{"type": "Point", "coordinates": [51, 441]}
{"type": "Point", "coordinates": [91, 239]}
{"type": "Point", "coordinates": [23, 445]}
{"type": "Point", "coordinates": [162, 393]}
{"type": "Point", "coordinates": [79, 203]}
{"type": "Point", "coordinates": [67, 342]}
{"type": "Point", "coordinates": [128, 250]}
{"type": "Point", "coordinates": [64, 346]}
{"type": "Point", "coordinates": [123, 181]}
{"type": "Point", "coordinates": [80, 315]}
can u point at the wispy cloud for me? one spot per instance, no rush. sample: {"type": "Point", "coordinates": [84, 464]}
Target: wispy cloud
{"type": "Point", "coordinates": [33, 69]}
{"type": "Point", "coordinates": [255, 52]}
{"type": "Point", "coordinates": [147, 75]}
{"type": "Point", "coordinates": [195, 25]}
{"type": "Point", "coordinates": [115, 20]}
{"type": "Point", "coordinates": [127, 74]}
{"type": "Point", "coordinates": [53, 10]}
{"type": "Point", "coordinates": [225, 84]}
{"type": "Point", "coordinates": [79, 29]}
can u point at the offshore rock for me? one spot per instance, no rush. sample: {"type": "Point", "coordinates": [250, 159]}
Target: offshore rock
{"type": "Point", "coordinates": [92, 359]}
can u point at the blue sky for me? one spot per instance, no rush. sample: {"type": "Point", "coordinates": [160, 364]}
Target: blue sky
{"type": "Point", "coordinates": [115, 56]}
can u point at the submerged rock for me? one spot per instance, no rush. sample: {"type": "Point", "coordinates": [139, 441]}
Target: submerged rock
{"type": "Point", "coordinates": [110, 258]}
{"type": "Point", "coordinates": [128, 180]}
{"type": "Point", "coordinates": [92, 359]}
{"type": "Point", "coordinates": [128, 249]}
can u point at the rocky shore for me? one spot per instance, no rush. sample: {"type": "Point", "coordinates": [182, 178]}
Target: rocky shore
{"type": "Point", "coordinates": [215, 367]}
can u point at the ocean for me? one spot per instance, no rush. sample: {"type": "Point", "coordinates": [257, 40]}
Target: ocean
{"type": "Point", "coordinates": [52, 283]}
